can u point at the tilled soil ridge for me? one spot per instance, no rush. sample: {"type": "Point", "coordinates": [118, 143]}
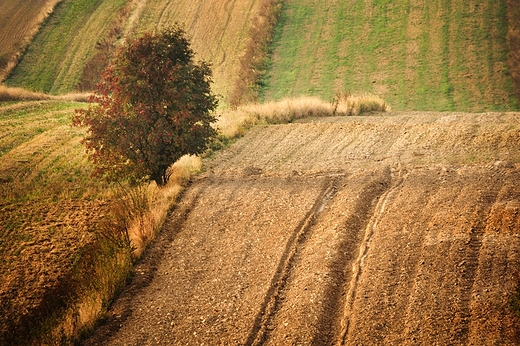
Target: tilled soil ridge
{"type": "Point", "coordinates": [299, 234]}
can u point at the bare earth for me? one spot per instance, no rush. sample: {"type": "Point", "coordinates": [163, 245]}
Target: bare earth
{"type": "Point", "coordinates": [402, 229]}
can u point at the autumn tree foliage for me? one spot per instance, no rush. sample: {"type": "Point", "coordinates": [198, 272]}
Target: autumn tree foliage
{"type": "Point", "coordinates": [153, 106]}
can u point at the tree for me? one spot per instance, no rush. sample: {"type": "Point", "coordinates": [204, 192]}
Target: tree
{"type": "Point", "coordinates": [153, 105]}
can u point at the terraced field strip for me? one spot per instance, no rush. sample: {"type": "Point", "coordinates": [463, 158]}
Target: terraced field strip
{"type": "Point", "coordinates": [55, 59]}
{"type": "Point", "coordinates": [416, 55]}
{"type": "Point", "coordinates": [20, 21]}
{"type": "Point", "coordinates": [218, 31]}
{"type": "Point", "coordinates": [346, 231]}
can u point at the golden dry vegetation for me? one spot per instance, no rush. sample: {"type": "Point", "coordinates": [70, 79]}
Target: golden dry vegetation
{"type": "Point", "coordinates": [52, 215]}
{"type": "Point", "coordinates": [234, 122]}
{"type": "Point", "coordinates": [218, 31]}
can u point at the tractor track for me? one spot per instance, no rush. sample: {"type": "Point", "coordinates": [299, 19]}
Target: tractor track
{"type": "Point", "coordinates": [270, 305]}
{"type": "Point", "coordinates": [357, 266]}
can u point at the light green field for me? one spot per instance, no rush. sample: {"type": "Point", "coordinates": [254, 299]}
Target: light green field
{"type": "Point", "coordinates": [417, 55]}
{"type": "Point", "coordinates": [55, 59]}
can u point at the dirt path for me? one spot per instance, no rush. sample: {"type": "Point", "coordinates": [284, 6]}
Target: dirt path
{"type": "Point", "coordinates": [395, 230]}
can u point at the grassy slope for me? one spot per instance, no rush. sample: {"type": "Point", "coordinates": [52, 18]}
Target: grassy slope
{"type": "Point", "coordinates": [54, 61]}
{"type": "Point", "coordinates": [421, 55]}
{"type": "Point", "coordinates": [20, 20]}
{"type": "Point", "coordinates": [48, 207]}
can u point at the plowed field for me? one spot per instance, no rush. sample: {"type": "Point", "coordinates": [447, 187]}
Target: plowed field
{"type": "Point", "coordinates": [401, 229]}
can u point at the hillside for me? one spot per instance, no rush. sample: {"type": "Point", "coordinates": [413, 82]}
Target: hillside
{"type": "Point", "coordinates": [80, 35]}
{"type": "Point", "coordinates": [396, 229]}
{"type": "Point", "coordinates": [417, 55]}
{"type": "Point", "coordinates": [441, 55]}
{"type": "Point", "coordinates": [399, 229]}
{"type": "Point", "coordinates": [76, 32]}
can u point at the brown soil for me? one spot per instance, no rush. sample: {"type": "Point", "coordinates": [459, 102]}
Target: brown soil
{"type": "Point", "coordinates": [401, 229]}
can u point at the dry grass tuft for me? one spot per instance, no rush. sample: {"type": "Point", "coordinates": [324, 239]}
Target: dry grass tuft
{"type": "Point", "coordinates": [233, 122]}
{"type": "Point", "coordinates": [78, 97]}
{"type": "Point", "coordinates": [356, 104]}
{"type": "Point", "coordinates": [21, 94]}
{"type": "Point", "coordinates": [148, 220]}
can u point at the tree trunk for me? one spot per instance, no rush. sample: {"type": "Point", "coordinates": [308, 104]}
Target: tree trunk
{"type": "Point", "coordinates": [159, 176]}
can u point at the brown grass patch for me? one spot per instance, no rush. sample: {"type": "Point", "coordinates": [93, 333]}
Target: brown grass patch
{"type": "Point", "coordinates": [154, 202]}
{"type": "Point", "coordinates": [233, 122]}
{"type": "Point", "coordinates": [21, 94]}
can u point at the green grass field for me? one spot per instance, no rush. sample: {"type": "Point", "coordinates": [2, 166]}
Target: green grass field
{"type": "Point", "coordinates": [55, 59]}
{"type": "Point", "coordinates": [417, 55]}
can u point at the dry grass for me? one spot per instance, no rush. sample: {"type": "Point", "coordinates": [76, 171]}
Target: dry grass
{"type": "Point", "coordinates": [21, 94]}
{"type": "Point", "coordinates": [159, 200]}
{"type": "Point", "coordinates": [233, 122]}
